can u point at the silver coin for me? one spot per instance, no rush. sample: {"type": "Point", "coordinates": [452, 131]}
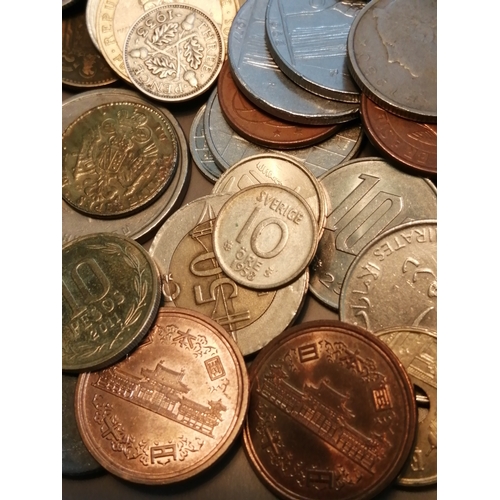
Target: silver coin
{"type": "Point", "coordinates": [263, 83]}
{"type": "Point", "coordinates": [75, 224]}
{"type": "Point", "coordinates": [308, 41]}
{"type": "Point", "coordinates": [90, 20]}
{"type": "Point", "coordinates": [392, 54]}
{"type": "Point", "coordinates": [200, 152]}
{"type": "Point", "coordinates": [367, 196]}
{"type": "Point", "coordinates": [228, 147]}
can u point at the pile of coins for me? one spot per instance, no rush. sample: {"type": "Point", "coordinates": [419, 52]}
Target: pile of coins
{"type": "Point", "coordinates": [186, 310]}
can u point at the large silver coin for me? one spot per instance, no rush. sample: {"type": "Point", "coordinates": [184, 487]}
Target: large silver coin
{"type": "Point", "coordinates": [263, 83]}
{"type": "Point", "coordinates": [367, 197]}
{"type": "Point", "coordinates": [392, 53]}
{"type": "Point", "coordinates": [75, 224]}
{"type": "Point", "coordinates": [308, 41]}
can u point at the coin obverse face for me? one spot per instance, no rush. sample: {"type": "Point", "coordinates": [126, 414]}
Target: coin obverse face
{"type": "Point", "coordinates": [110, 296]}
{"type": "Point", "coordinates": [170, 409]}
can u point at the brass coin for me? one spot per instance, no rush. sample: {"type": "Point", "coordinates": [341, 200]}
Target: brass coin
{"type": "Point", "coordinates": [117, 158]}
{"type": "Point", "coordinates": [393, 280]}
{"type": "Point", "coordinates": [111, 293]}
{"type": "Point", "coordinates": [265, 236]}
{"type": "Point", "coordinates": [416, 348]}
{"type": "Point", "coordinates": [172, 408]}
{"type": "Point", "coordinates": [332, 413]}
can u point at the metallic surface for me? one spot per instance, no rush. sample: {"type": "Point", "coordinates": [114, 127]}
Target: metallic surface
{"type": "Point", "coordinates": [308, 41]}
{"type": "Point", "coordinates": [265, 236]}
{"type": "Point", "coordinates": [90, 20]}
{"type": "Point", "coordinates": [393, 280]}
{"type": "Point", "coordinates": [200, 152]}
{"type": "Point", "coordinates": [173, 52]}
{"type": "Point", "coordinates": [416, 348]}
{"type": "Point", "coordinates": [407, 142]}
{"type": "Point", "coordinates": [228, 147]}
{"type": "Point", "coordinates": [332, 413]}
{"type": "Point", "coordinates": [82, 64]}
{"type": "Point", "coordinates": [260, 127]}
{"type": "Point", "coordinates": [192, 279]}
{"type": "Point", "coordinates": [260, 79]}
{"type": "Point", "coordinates": [117, 158]}
{"type": "Point", "coordinates": [172, 408]}
{"type": "Point", "coordinates": [142, 223]}
{"type": "Point", "coordinates": [367, 197]}
{"type": "Point", "coordinates": [111, 294]}
{"type": "Point", "coordinates": [392, 55]}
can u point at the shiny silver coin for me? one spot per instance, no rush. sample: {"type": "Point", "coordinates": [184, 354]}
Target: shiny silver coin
{"type": "Point", "coordinates": [90, 20]}
{"type": "Point", "coordinates": [308, 41]}
{"type": "Point", "coordinates": [263, 83]}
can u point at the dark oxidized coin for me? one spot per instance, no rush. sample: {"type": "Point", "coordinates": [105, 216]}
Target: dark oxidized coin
{"type": "Point", "coordinates": [332, 413]}
{"type": "Point", "coordinates": [110, 297]}
{"type": "Point", "coordinates": [261, 128]}
{"type": "Point", "coordinates": [409, 143]}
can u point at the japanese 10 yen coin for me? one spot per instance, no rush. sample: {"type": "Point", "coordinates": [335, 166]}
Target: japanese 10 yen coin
{"type": "Point", "coordinates": [332, 413]}
{"type": "Point", "coordinates": [110, 297]}
{"type": "Point", "coordinates": [171, 408]}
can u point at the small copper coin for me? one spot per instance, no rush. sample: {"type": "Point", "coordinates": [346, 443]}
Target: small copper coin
{"type": "Point", "coordinates": [172, 408]}
{"type": "Point", "coordinates": [110, 296]}
{"type": "Point", "coordinates": [332, 413]}
{"type": "Point", "coordinates": [409, 143]}
{"type": "Point", "coordinates": [82, 64]}
{"type": "Point", "coordinates": [261, 128]}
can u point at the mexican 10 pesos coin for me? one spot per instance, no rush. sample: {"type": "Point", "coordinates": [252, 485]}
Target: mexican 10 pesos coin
{"type": "Point", "coordinates": [172, 408]}
{"type": "Point", "coordinates": [117, 158]}
{"type": "Point", "coordinates": [265, 236]}
{"type": "Point", "coordinates": [416, 348]}
{"type": "Point", "coordinates": [192, 279]}
{"type": "Point", "coordinates": [173, 52]}
{"type": "Point", "coordinates": [110, 296]}
{"type": "Point", "coordinates": [332, 413]}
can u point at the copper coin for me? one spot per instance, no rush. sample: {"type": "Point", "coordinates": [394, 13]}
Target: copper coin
{"type": "Point", "coordinates": [261, 128]}
{"type": "Point", "coordinates": [332, 413]}
{"type": "Point", "coordinates": [82, 64]}
{"type": "Point", "coordinates": [409, 143]}
{"type": "Point", "coordinates": [172, 408]}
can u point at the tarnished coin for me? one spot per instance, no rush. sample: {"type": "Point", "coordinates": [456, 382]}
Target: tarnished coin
{"type": "Point", "coordinates": [260, 127]}
{"type": "Point", "coordinates": [82, 64]}
{"type": "Point", "coordinates": [173, 52]}
{"type": "Point", "coordinates": [416, 348]}
{"type": "Point", "coordinates": [91, 21]}
{"type": "Point", "coordinates": [332, 413]}
{"type": "Point", "coordinates": [265, 236]}
{"type": "Point", "coordinates": [392, 55]}
{"type": "Point", "coordinates": [260, 79]}
{"type": "Point", "coordinates": [172, 408]}
{"type": "Point", "coordinates": [367, 197]}
{"type": "Point", "coordinates": [308, 41]}
{"type": "Point", "coordinates": [117, 158]}
{"type": "Point", "coordinates": [111, 293]}
{"type": "Point", "coordinates": [393, 281]}
{"type": "Point", "coordinates": [76, 459]}
{"type": "Point", "coordinates": [140, 224]}
{"type": "Point", "coordinates": [193, 279]}
{"type": "Point", "coordinates": [409, 143]}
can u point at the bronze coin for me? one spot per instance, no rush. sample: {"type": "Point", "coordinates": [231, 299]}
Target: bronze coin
{"type": "Point", "coordinates": [260, 127]}
{"type": "Point", "coordinates": [332, 413]}
{"type": "Point", "coordinates": [172, 408]}
{"type": "Point", "coordinates": [82, 64]}
{"type": "Point", "coordinates": [411, 144]}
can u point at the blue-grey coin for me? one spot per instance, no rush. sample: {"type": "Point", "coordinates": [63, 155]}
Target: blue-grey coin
{"type": "Point", "coordinates": [308, 41]}
{"type": "Point", "coordinates": [228, 147]}
{"type": "Point", "coordinates": [259, 78]}
{"type": "Point", "coordinates": [202, 156]}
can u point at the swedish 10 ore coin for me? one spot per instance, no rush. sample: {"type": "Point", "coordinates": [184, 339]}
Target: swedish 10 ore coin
{"type": "Point", "coordinates": [171, 408]}
{"type": "Point", "coordinates": [110, 296]}
{"type": "Point", "coordinates": [332, 413]}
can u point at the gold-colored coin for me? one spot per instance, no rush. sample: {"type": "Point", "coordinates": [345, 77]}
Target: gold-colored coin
{"type": "Point", "coordinates": [110, 296]}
